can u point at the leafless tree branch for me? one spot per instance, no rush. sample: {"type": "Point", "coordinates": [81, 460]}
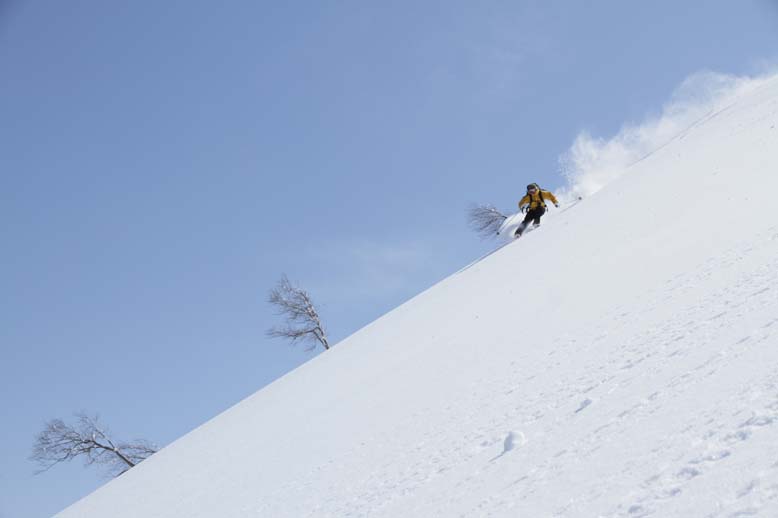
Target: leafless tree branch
{"type": "Point", "coordinates": [302, 319]}
{"type": "Point", "coordinates": [62, 442]}
{"type": "Point", "coordinates": [485, 220]}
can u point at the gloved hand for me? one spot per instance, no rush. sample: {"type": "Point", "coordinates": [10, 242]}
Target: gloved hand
{"type": "Point", "coordinates": [523, 209]}
{"type": "Point", "coordinates": [556, 205]}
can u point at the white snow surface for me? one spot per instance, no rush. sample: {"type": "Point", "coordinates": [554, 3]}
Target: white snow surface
{"type": "Point", "coordinates": [620, 361]}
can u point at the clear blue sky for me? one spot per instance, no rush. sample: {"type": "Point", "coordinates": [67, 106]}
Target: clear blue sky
{"type": "Point", "coordinates": [162, 163]}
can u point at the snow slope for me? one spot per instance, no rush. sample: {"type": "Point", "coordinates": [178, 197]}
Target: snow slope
{"type": "Point", "coordinates": [620, 361]}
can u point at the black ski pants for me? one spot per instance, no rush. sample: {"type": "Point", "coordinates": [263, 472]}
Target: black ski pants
{"type": "Point", "coordinates": [533, 215]}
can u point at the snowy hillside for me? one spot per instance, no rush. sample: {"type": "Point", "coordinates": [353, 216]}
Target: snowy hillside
{"type": "Point", "coordinates": [620, 361]}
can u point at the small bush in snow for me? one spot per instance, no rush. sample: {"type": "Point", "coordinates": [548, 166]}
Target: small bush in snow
{"type": "Point", "coordinates": [485, 220]}
{"type": "Point", "coordinates": [62, 442]}
{"type": "Point", "coordinates": [302, 319]}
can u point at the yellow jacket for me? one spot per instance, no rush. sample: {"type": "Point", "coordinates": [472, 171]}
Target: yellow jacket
{"type": "Point", "coordinates": [534, 200]}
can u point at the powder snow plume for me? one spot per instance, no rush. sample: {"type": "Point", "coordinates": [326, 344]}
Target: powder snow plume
{"type": "Point", "coordinates": [592, 162]}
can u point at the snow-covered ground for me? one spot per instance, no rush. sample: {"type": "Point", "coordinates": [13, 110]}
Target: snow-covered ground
{"type": "Point", "coordinates": [620, 361]}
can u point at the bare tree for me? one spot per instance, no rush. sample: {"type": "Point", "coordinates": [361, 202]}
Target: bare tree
{"type": "Point", "coordinates": [302, 319]}
{"type": "Point", "coordinates": [61, 442]}
{"type": "Point", "coordinates": [485, 220]}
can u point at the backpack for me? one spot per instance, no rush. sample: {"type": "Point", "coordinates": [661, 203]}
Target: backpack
{"type": "Point", "coordinates": [540, 194]}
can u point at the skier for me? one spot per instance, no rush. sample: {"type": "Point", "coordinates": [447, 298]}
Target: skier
{"type": "Point", "coordinates": [534, 205]}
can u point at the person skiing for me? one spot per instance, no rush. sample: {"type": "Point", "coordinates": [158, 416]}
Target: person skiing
{"type": "Point", "coordinates": [533, 204]}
